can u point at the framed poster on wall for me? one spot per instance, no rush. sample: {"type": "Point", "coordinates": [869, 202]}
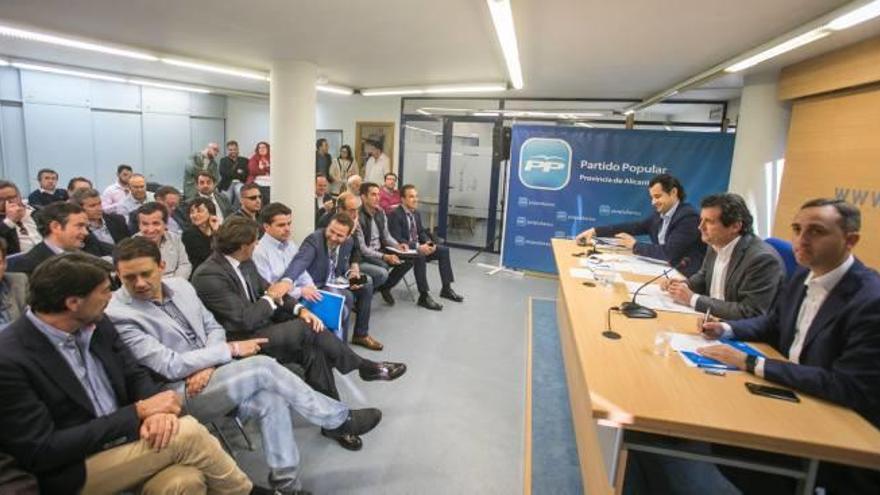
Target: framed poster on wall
{"type": "Point", "coordinates": [381, 132]}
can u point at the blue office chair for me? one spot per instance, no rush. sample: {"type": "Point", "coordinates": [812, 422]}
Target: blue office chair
{"type": "Point", "coordinates": [785, 252]}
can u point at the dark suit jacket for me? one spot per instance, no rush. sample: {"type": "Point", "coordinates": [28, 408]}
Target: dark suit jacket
{"type": "Point", "coordinates": [220, 290]}
{"type": "Point", "coordinates": [10, 235]}
{"type": "Point", "coordinates": [27, 262]}
{"type": "Point", "coordinates": [755, 274]}
{"type": "Point", "coordinates": [231, 170]}
{"type": "Point", "coordinates": [49, 424]}
{"type": "Point", "coordinates": [117, 226]}
{"type": "Point", "coordinates": [39, 199]}
{"type": "Point", "coordinates": [312, 257]}
{"type": "Point", "coordinates": [840, 358]}
{"type": "Point", "coordinates": [399, 227]}
{"type": "Point", "coordinates": [682, 238]}
{"type": "Point", "coordinates": [319, 212]}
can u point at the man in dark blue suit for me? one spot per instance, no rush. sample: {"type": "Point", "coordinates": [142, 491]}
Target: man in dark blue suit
{"type": "Point", "coordinates": [326, 255]}
{"type": "Point", "coordinates": [405, 225]}
{"type": "Point", "coordinates": [826, 322]}
{"type": "Point", "coordinates": [674, 232]}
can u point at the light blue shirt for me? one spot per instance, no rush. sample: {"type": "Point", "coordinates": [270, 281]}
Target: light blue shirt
{"type": "Point", "coordinates": [74, 348]}
{"type": "Point", "coordinates": [666, 217]}
{"type": "Point", "coordinates": [272, 258]}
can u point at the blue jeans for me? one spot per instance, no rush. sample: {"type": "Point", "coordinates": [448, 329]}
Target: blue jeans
{"type": "Point", "coordinates": [259, 388]}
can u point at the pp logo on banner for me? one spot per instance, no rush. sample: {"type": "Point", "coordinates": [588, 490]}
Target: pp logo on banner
{"type": "Point", "coordinates": [545, 163]}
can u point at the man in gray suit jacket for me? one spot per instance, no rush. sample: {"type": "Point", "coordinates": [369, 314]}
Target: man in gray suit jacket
{"type": "Point", "coordinates": [172, 333]}
{"type": "Point", "coordinates": [13, 291]}
{"type": "Point", "coordinates": [741, 274]}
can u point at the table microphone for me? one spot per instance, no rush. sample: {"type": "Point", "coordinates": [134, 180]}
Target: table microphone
{"type": "Point", "coordinates": [632, 309]}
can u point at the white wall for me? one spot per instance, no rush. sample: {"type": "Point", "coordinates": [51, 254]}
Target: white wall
{"type": "Point", "coordinates": [247, 119]}
{"type": "Point", "coordinates": [759, 153]}
{"type": "Point", "coordinates": [341, 112]}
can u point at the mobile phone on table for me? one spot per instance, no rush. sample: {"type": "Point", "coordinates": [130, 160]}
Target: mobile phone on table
{"type": "Point", "coordinates": [772, 392]}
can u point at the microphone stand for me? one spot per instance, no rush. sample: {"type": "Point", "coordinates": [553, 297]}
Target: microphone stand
{"type": "Point", "coordinates": [609, 333]}
{"type": "Point", "coordinates": [632, 309]}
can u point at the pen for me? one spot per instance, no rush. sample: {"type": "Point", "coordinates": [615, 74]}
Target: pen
{"type": "Point", "coordinates": [706, 319]}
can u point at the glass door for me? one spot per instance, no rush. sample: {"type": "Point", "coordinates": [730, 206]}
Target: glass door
{"type": "Point", "coordinates": [421, 149]}
{"type": "Point", "coordinates": [471, 183]}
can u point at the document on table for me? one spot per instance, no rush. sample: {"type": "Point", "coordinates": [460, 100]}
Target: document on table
{"type": "Point", "coordinates": [654, 297]}
{"type": "Point", "coordinates": [687, 344]}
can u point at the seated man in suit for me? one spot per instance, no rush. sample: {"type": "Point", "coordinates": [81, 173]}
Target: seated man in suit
{"type": "Point", "coordinates": [825, 322]}
{"type": "Point", "coordinates": [106, 228]}
{"type": "Point", "coordinates": [152, 219]}
{"type": "Point", "coordinates": [741, 274]}
{"type": "Point", "coordinates": [17, 224]}
{"type": "Point", "coordinates": [63, 227]}
{"type": "Point", "coordinates": [178, 218]}
{"type": "Point", "coordinates": [48, 191]}
{"type": "Point", "coordinates": [323, 199]}
{"type": "Point", "coordinates": [251, 200]}
{"type": "Point", "coordinates": [205, 189]}
{"type": "Point", "coordinates": [170, 331]}
{"type": "Point", "coordinates": [673, 228]}
{"type": "Point", "coordinates": [405, 225]}
{"type": "Point", "coordinates": [78, 411]}
{"type": "Point", "coordinates": [326, 256]}
{"type": "Point", "coordinates": [375, 240]}
{"type": "Point", "coordinates": [13, 292]}
{"type": "Point", "coordinates": [248, 306]}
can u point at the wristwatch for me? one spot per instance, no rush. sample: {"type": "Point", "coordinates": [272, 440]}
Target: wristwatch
{"type": "Point", "coordinates": [751, 361]}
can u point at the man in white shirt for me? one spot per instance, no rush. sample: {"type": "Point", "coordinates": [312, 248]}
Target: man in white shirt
{"type": "Point", "coordinates": [378, 164]}
{"type": "Point", "coordinates": [741, 274]}
{"type": "Point", "coordinates": [136, 197]}
{"type": "Point", "coordinates": [116, 192]}
{"type": "Point", "coordinates": [152, 219]}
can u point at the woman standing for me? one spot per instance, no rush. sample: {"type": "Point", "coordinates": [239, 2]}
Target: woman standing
{"type": "Point", "coordinates": [341, 169]}
{"type": "Point", "coordinates": [198, 236]}
{"type": "Point", "coordinates": [258, 169]}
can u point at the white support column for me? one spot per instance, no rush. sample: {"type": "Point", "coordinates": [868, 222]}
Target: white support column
{"type": "Point", "coordinates": [292, 130]}
{"type": "Point", "coordinates": [761, 134]}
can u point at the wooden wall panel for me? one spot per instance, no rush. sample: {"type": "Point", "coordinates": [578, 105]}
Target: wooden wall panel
{"type": "Point", "coordinates": [833, 150]}
{"type": "Point", "coordinates": [848, 67]}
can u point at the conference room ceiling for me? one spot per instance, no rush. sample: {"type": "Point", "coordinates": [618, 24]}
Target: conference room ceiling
{"type": "Point", "coordinates": [569, 48]}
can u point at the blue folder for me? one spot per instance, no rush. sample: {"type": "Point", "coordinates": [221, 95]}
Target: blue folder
{"type": "Point", "coordinates": [707, 362]}
{"type": "Point", "coordinates": [329, 309]}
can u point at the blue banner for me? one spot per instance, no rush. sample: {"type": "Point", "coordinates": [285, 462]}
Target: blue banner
{"type": "Point", "coordinates": [564, 180]}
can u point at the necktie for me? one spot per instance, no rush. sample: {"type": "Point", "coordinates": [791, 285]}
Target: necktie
{"type": "Point", "coordinates": [331, 274]}
{"type": "Point", "coordinates": [22, 230]}
{"type": "Point", "coordinates": [413, 235]}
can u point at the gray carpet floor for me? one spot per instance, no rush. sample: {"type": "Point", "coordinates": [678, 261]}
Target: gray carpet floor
{"type": "Point", "coordinates": [454, 423]}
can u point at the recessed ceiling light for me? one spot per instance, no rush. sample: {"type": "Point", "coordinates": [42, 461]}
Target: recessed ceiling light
{"type": "Point", "coordinates": [178, 87]}
{"type": "Point", "coordinates": [333, 88]}
{"type": "Point", "coordinates": [68, 72]}
{"type": "Point", "coordinates": [217, 69]}
{"type": "Point", "coordinates": [857, 16]}
{"type": "Point", "coordinates": [436, 89]}
{"type": "Point", "coordinates": [785, 46]}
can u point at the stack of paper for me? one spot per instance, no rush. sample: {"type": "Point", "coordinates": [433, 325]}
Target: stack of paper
{"type": "Point", "coordinates": [687, 345]}
{"type": "Point", "coordinates": [653, 297]}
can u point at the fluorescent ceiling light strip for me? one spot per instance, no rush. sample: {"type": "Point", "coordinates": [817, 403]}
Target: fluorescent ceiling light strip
{"type": "Point", "coordinates": [423, 111]}
{"type": "Point", "coordinates": [178, 87]}
{"type": "Point", "coordinates": [779, 49]}
{"type": "Point", "coordinates": [583, 124]}
{"type": "Point", "coordinates": [68, 72]}
{"type": "Point", "coordinates": [485, 114]}
{"type": "Point", "coordinates": [857, 16]}
{"type": "Point", "coordinates": [332, 88]}
{"type": "Point", "coordinates": [428, 131]}
{"type": "Point", "coordinates": [217, 69]}
{"type": "Point", "coordinates": [3, 62]}
{"type": "Point", "coordinates": [72, 43]}
{"type": "Point", "coordinates": [502, 18]}
{"type": "Point", "coordinates": [438, 89]}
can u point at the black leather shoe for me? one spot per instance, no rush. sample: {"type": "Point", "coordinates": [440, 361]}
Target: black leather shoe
{"type": "Point", "coordinates": [426, 301]}
{"type": "Point", "coordinates": [451, 295]}
{"type": "Point", "coordinates": [359, 421]}
{"type": "Point", "coordinates": [348, 442]}
{"type": "Point", "coordinates": [387, 297]}
{"type": "Point", "coordinates": [385, 371]}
